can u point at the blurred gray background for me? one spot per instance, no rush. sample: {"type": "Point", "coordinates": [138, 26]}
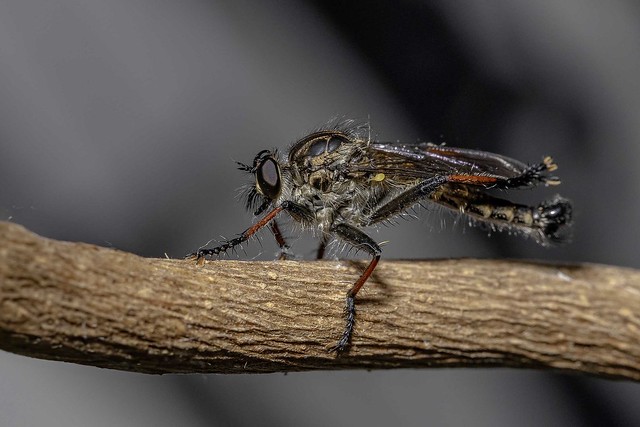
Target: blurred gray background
{"type": "Point", "coordinates": [120, 122]}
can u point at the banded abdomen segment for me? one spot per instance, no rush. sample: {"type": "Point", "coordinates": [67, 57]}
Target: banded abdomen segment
{"type": "Point", "coordinates": [546, 223]}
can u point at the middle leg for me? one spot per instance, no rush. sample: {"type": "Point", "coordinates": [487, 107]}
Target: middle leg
{"type": "Point", "coordinates": [360, 240]}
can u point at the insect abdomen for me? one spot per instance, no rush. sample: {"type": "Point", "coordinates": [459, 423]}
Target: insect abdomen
{"type": "Point", "coordinates": [546, 223]}
{"type": "Point", "coordinates": [553, 217]}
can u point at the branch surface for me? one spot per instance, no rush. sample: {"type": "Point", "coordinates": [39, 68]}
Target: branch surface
{"type": "Point", "coordinates": [86, 304]}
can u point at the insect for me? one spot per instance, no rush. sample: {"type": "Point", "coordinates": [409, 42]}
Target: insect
{"type": "Point", "coordinates": [338, 182]}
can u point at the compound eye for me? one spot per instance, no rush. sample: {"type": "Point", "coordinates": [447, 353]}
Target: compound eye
{"type": "Point", "coordinates": [268, 178]}
{"type": "Point", "coordinates": [318, 147]}
{"type": "Point", "coordinates": [333, 144]}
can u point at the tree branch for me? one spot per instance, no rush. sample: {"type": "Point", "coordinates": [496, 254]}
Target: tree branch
{"type": "Point", "coordinates": [85, 304]}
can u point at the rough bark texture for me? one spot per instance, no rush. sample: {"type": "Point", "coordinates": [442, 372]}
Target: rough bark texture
{"type": "Point", "coordinates": [85, 304]}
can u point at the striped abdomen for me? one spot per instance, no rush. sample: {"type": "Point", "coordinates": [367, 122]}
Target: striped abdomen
{"type": "Point", "coordinates": [546, 223]}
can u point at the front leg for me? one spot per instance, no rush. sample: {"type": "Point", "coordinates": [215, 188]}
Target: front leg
{"type": "Point", "coordinates": [201, 254]}
{"type": "Point", "coordinates": [298, 212]}
{"type": "Point", "coordinates": [359, 240]}
{"type": "Point", "coordinates": [285, 249]}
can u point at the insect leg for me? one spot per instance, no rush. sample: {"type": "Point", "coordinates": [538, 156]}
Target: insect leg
{"type": "Point", "coordinates": [322, 247]}
{"type": "Point", "coordinates": [304, 215]}
{"type": "Point", "coordinates": [546, 223]}
{"type": "Point", "coordinates": [282, 243]}
{"type": "Point", "coordinates": [528, 176]}
{"type": "Point", "coordinates": [298, 212]}
{"type": "Point", "coordinates": [200, 255]}
{"type": "Point", "coordinates": [533, 175]}
{"type": "Point", "coordinates": [407, 199]}
{"type": "Point", "coordinates": [360, 240]}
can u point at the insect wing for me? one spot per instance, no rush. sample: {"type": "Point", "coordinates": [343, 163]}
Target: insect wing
{"type": "Point", "coordinates": [427, 160]}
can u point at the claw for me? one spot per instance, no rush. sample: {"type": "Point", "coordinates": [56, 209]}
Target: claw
{"type": "Point", "coordinates": [198, 257]}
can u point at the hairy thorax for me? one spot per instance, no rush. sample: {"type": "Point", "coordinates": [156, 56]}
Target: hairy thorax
{"type": "Point", "coordinates": [325, 182]}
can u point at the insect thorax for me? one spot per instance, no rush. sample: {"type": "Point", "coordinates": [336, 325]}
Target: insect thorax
{"type": "Point", "coordinates": [329, 175]}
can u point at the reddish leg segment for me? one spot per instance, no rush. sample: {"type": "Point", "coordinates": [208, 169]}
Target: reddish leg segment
{"type": "Point", "coordinates": [359, 240]}
{"type": "Point", "coordinates": [200, 255]}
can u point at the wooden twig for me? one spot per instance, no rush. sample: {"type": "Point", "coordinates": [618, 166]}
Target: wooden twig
{"type": "Point", "coordinates": [85, 304]}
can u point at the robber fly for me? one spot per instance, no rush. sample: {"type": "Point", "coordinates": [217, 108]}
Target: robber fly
{"type": "Point", "coordinates": [338, 182]}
